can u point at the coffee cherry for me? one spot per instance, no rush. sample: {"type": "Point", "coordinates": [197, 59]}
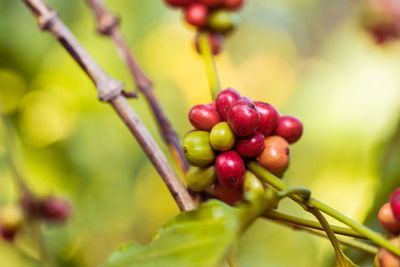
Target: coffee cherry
{"type": "Point", "coordinates": [250, 146]}
{"type": "Point", "coordinates": [197, 148]}
{"type": "Point", "coordinates": [203, 117]}
{"type": "Point", "coordinates": [395, 203]}
{"type": "Point", "coordinates": [386, 258]}
{"type": "Point", "coordinates": [11, 219]}
{"type": "Point", "coordinates": [268, 118]}
{"type": "Point", "coordinates": [252, 183]}
{"type": "Point", "coordinates": [222, 21]}
{"type": "Point", "coordinates": [228, 195]}
{"type": "Point", "coordinates": [199, 179]}
{"type": "Point", "coordinates": [233, 4]}
{"type": "Point", "coordinates": [230, 169]}
{"type": "Point", "coordinates": [211, 3]}
{"type": "Point", "coordinates": [224, 101]}
{"type": "Point", "coordinates": [387, 219]}
{"type": "Point", "coordinates": [215, 39]}
{"type": "Point", "coordinates": [55, 209]}
{"type": "Point", "coordinates": [178, 3]}
{"type": "Point", "coordinates": [243, 117]}
{"type": "Point", "coordinates": [196, 14]}
{"type": "Point", "coordinates": [275, 156]}
{"type": "Point", "coordinates": [213, 106]}
{"type": "Point", "coordinates": [222, 137]}
{"type": "Point", "coordinates": [290, 128]}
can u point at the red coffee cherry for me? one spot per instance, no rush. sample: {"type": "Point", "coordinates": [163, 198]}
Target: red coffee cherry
{"type": "Point", "coordinates": [196, 14]}
{"type": "Point", "coordinates": [233, 4]}
{"type": "Point", "coordinates": [203, 118]}
{"type": "Point", "coordinates": [290, 128]}
{"type": "Point", "coordinates": [230, 169]}
{"type": "Point", "coordinates": [243, 117]}
{"type": "Point", "coordinates": [178, 3]}
{"type": "Point", "coordinates": [250, 146]}
{"type": "Point", "coordinates": [395, 203]}
{"type": "Point", "coordinates": [54, 209]}
{"type": "Point", "coordinates": [387, 219]}
{"type": "Point", "coordinates": [386, 258]}
{"type": "Point", "coordinates": [275, 156]}
{"type": "Point", "coordinates": [216, 41]}
{"type": "Point", "coordinates": [228, 195]}
{"type": "Point", "coordinates": [224, 101]}
{"type": "Point", "coordinates": [213, 106]}
{"type": "Point", "coordinates": [269, 117]}
{"type": "Point", "coordinates": [211, 3]}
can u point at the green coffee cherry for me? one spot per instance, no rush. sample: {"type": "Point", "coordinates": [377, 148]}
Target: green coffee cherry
{"type": "Point", "coordinates": [222, 21]}
{"type": "Point", "coordinates": [197, 148]}
{"type": "Point", "coordinates": [199, 179]}
{"type": "Point", "coordinates": [252, 183]}
{"type": "Point", "coordinates": [222, 137]}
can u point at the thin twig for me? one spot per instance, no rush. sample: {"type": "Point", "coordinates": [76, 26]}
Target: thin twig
{"type": "Point", "coordinates": [107, 24]}
{"type": "Point", "coordinates": [111, 90]}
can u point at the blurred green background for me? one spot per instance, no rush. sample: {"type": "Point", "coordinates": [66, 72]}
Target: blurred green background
{"type": "Point", "coordinates": [309, 58]}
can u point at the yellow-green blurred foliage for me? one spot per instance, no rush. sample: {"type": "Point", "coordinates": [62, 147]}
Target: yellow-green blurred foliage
{"type": "Point", "coordinates": [310, 59]}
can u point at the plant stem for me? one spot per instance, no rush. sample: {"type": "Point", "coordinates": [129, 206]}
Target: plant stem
{"type": "Point", "coordinates": [211, 70]}
{"type": "Point", "coordinates": [107, 24]}
{"type": "Point", "coordinates": [111, 91]}
{"type": "Point", "coordinates": [300, 222]}
{"type": "Point", "coordinates": [277, 183]}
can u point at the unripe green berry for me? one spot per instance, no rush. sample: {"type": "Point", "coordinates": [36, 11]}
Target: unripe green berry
{"type": "Point", "coordinates": [252, 183]}
{"type": "Point", "coordinates": [199, 179]}
{"type": "Point", "coordinates": [11, 217]}
{"type": "Point", "coordinates": [197, 148]}
{"type": "Point", "coordinates": [222, 20]}
{"type": "Point", "coordinates": [222, 137]}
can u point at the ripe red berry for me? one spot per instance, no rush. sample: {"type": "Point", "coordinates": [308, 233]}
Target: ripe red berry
{"type": "Point", "coordinates": [211, 3]}
{"type": "Point", "coordinates": [213, 106]}
{"type": "Point", "coordinates": [196, 14]}
{"type": "Point", "coordinates": [395, 203]}
{"type": "Point", "coordinates": [178, 3]}
{"type": "Point", "coordinates": [224, 101]}
{"type": "Point", "coordinates": [55, 209]}
{"type": "Point", "coordinates": [228, 195]}
{"type": "Point", "coordinates": [233, 4]}
{"type": "Point", "coordinates": [230, 169]}
{"type": "Point", "coordinates": [290, 128]}
{"type": "Point", "coordinates": [215, 39]}
{"type": "Point", "coordinates": [202, 117]}
{"type": "Point", "coordinates": [243, 117]}
{"type": "Point", "coordinates": [250, 146]}
{"type": "Point", "coordinates": [387, 219]}
{"type": "Point", "coordinates": [275, 156]}
{"type": "Point", "coordinates": [269, 117]}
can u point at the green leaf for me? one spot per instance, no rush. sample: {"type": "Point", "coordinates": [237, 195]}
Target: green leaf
{"type": "Point", "coordinates": [202, 237]}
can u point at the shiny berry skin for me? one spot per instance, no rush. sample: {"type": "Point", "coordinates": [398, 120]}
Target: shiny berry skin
{"type": "Point", "coordinates": [395, 203]}
{"type": "Point", "coordinates": [250, 146]}
{"type": "Point", "coordinates": [196, 14]}
{"type": "Point", "coordinates": [230, 169]}
{"type": "Point", "coordinates": [55, 209]}
{"type": "Point", "coordinates": [224, 101]}
{"type": "Point", "coordinates": [386, 258]}
{"type": "Point", "coordinates": [212, 3]}
{"type": "Point", "coordinates": [243, 117]}
{"type": "Point", "coordinates": [216, 42]}
{"type": "Point", "coordinates": [233, 4]}
{"type": "Point", "coordinates": [201, 178]}
{"type": "Point", "coordinates": [228, 195]}
{"type": "Point", "coordinates": [222, 137]}
{"type": "Point", "coordinates": [203, 118]}
{"type": "Point", "coordinates": [197, 149]}
{"type": "Point", "coordinates": [252, 183]}
{"type": "Point", "coordinates": [178, 3]}
{"type": "Point", "coordinates": [387, 219]}
{"type": "Point", "coordinates": [213, 106]}
{"type": "Point", "coordinates": [275, 156]}
{"type": "Point", "coordinates": [290, 128]}
{"type": "Point", "coordinates": [222, 21]}
{"type": "Point", "coordinates": [269, 117]}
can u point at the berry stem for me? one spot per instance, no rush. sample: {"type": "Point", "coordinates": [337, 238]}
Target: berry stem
{"type": "Point", "coordinates": [277, 183]}
{"type": "Point", "coordinates": [209, 63]}
{"type": "Point", "coordinates": [297, 222]}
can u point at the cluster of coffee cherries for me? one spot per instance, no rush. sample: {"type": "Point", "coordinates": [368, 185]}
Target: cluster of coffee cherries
{"type": "Point", "coordinates": [229, 131]}
{"type": "Point", "coordinates": [216, 17]}
{"type": "Point", "coordinates": [13, 216]}
{"type": "Point", "coordinates": [389, 217]}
